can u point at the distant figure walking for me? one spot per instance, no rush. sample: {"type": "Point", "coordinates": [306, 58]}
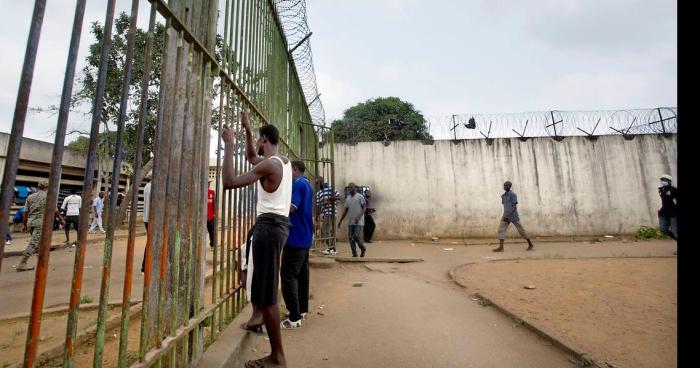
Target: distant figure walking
{"type": "Point", "coordinates": [510, 215]}
{"type": "Point", "coordinates": [97, 207]}
{"type": "Point", "coordinates": [71, 207]}
{"type": "Point", "coordinates": [355, 205]}
{"type": "Point", "coordinates": [34, 208]}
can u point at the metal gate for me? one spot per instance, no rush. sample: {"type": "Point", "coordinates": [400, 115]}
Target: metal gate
{"type": "Point", "coordinates": [186, 302]}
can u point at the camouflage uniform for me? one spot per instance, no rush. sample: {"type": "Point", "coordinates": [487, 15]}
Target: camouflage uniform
{"type": "Point", "coordinates": [34, 207]}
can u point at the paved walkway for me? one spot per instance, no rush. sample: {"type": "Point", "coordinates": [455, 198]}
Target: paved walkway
{"type": "Point", "coordinates": [413, 315]}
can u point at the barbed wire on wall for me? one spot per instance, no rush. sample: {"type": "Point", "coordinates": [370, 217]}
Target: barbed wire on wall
{"type": "Point", "coordinates": [556, 124]}
{"type": "Point", "coordinates": [292, 14]}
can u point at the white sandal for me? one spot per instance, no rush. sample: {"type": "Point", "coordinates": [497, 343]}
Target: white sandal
{"type": "Point", "coordinates": [287, 324]}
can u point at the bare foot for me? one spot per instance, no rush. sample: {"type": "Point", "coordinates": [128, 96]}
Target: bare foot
{"type": "Point", "coordinates": [265, 362]}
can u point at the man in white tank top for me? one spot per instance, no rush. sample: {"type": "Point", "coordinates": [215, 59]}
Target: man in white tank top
{"type": "Point", "coordinates": [273, 174]}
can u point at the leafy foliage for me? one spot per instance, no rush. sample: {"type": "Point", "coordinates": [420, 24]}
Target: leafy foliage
{"type": "Point", "coordinates": [369, 122]}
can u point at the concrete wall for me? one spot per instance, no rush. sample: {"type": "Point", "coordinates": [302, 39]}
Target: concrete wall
{"type": "Point", "coordinates": [573, 187]}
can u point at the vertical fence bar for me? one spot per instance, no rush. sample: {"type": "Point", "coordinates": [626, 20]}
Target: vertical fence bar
{"type": "Point", "coordinates": [116, 171]}
{"type": "Point", "coordinates": [20, 115]}
{"type": "Point", "coordinates": [141, 129]}
{"type": "Point", "coordinates": [34, 328]}
{"type": "Point", "coordinates": [155, 249]}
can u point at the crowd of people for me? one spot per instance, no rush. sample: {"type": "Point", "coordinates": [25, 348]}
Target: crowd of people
{"type": "Point", "coordinates": [66, 217]}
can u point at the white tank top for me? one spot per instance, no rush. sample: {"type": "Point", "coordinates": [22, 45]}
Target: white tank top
{"type": "Point", "coordinates": [280, 200]}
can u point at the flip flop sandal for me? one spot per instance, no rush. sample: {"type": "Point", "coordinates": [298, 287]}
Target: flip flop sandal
{"type": "Point", "coordinates": [287, 324]}
{"type": "Point", "coordinates": [254, 329]}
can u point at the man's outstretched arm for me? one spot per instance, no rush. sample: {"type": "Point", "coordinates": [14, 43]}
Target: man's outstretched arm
{"type": "Point", "coordinates": [262, 169]}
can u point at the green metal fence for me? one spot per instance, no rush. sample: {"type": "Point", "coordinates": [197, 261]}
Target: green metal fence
{"type": "Point", "coordinates": [190, 293]}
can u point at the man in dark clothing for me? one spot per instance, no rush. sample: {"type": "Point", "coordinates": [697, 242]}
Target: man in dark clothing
{"type": "Point", "coordinates": [510, 215]}
{"type": "Point", "coordinates": [295, 257]}
{"type": "Point", "coordinates": [369, 220]}
{"type": "Point", "coordinates": [668, 213]}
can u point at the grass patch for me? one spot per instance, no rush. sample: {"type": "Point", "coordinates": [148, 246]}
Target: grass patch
{"type": "Point", "coordinates": [648, 232]}
{"type": "Point", "coordinates": [86, 299]}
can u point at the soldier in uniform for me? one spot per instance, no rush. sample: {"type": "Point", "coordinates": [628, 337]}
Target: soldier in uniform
{"type": "Point", "coordinates": [34, 209]}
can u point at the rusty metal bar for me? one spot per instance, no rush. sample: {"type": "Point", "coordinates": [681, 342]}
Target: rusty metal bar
{"type": "Point", "coordinates": [155, 251]}
{"type": "Point", "coordinates": [143, 111]}
{"type": "Point", "coordinates": [20, 115]}
{"type": "Point", "coordinates": [116, 171]}
{"type": "Point", "coordinates": [183, 331]}
{"type": "Point", "coordinates": [34, 328]}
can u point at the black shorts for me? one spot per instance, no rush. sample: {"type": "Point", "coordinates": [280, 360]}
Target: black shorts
{"type": "Point", "coordinates": [75, 220]}
{"type": "Point", "coordinates": [269, 235]}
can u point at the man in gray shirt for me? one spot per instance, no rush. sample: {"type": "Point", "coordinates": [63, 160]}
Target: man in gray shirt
{"type": "Point", "coordinates": [510, 215]}
{"type": "Point", "coordinates": [355, 205]}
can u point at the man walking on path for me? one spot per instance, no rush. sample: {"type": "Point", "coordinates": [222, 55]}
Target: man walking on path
{"type": "Point", "coordinates": [668, 213]}
{"type": "Point", "coordinates": [273, 174]}
{"type": "Point", "coordinates": [510, 215]}
{"type": "Point", "coordinates": [97, 206]}
{"type": "Point", "coordinates": [295, 257]}
{"type": "Point", "coordinates": [71, 206]}
{"type": "Point", "coordinates": [211, 216]}
{"type": "Point", "coordinates": [326, 199]}
{"type": "Point", "coordinates": [355, 205]}
{"type": "Point", "coordinates": [34, 209]}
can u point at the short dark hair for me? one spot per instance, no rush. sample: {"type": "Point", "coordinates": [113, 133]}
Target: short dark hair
{"type": "Point", "coordinates": [73, 191]}
{"type": "Point", "coordinates": [299, 165]}
{"type": "Point", "coordinates": [270, 132]}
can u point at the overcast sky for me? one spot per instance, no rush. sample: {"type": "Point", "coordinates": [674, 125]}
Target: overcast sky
{"type": "Point", "coordinates": [445, 57]}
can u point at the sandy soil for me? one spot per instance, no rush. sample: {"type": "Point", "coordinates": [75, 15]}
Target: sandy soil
{"type": "Point", "coordinates": [620, 311]}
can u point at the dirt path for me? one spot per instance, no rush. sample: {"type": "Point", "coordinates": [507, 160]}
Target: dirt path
{"type": "Point", "coordinates": [414, 315]}
{"type": "Point", "coordinates": [407, 315]}
{"type": "Point", "coordinates": [621, 311]}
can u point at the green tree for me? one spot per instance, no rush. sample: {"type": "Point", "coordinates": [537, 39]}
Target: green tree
{"type": "Point", "coordinates": [115, 77]}
{"type": "Point", "coordinates": [369, 121]}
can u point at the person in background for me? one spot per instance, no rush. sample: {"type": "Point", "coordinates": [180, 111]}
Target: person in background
{"type": "Point", "coordinates": [668, 213]}
{"type": "Point", "coordinates": [510, 215]}
{"type": "Point", "coordinates": [16, 219]}
{"type": "Point", "coordinates": [71, 207]}
{"type": "Point", "coordinates": [355, 205]}
{"type": "Point", "coordinates": [97, 207]}
{"type": "Point", "coordinates": [146, 213]}
{"type": "Point", "coordinates": [369, 220]}
{"type": "Point", "coordinates": [326, 200]}
{"type": "Point", "coordinates": [211, 216]}
{"type": "Point", "coordinates": [33, 219]}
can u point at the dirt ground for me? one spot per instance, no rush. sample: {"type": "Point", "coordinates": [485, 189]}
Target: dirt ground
{"type": "Point", "coordinates": [404, 315]}
{"type": "Point", "coordinates": [620, 311]}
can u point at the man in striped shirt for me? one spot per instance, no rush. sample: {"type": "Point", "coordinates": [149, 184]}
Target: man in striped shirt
{"type": "Point", "coordinates": [326, 200]}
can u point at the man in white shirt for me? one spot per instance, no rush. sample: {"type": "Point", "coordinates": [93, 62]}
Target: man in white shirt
{"type": "Point", "coordinates": [97, 206]}
{"type": "Point", "coordinates": [71, 208]}
{"type": "Point", "coordinates": [146, 213]}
